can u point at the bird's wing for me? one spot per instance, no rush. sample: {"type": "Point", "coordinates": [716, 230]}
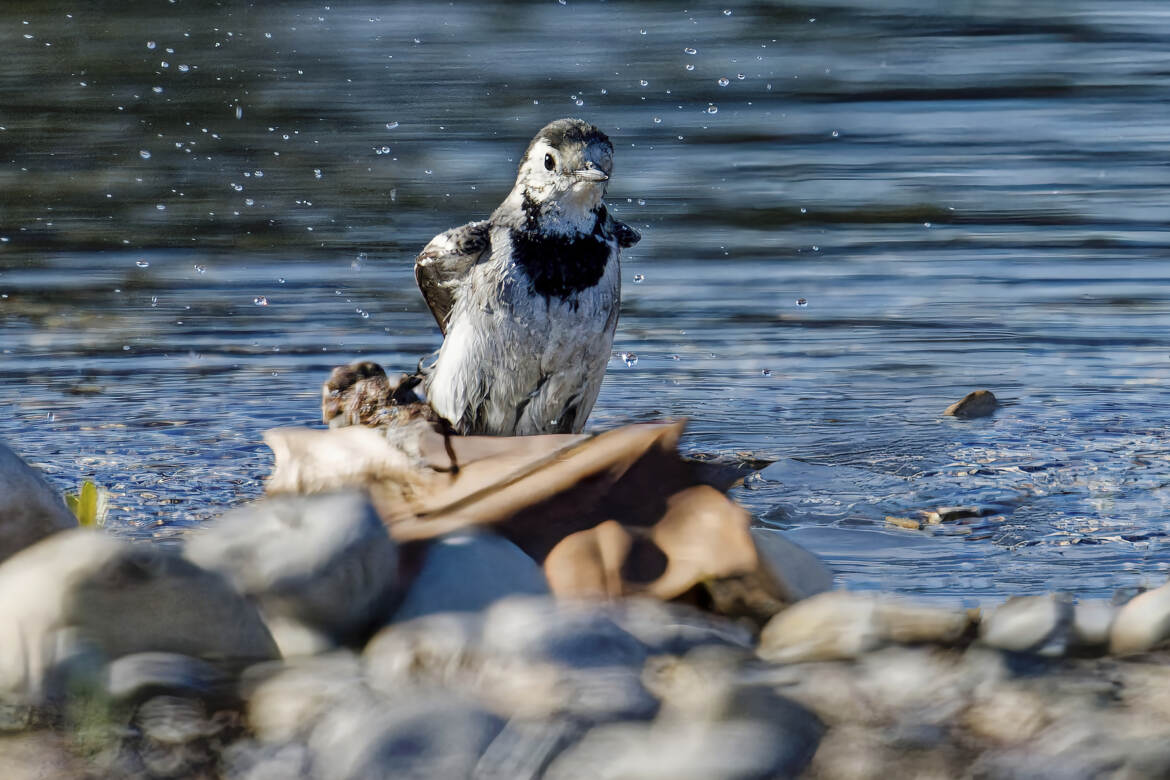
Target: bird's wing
{"type": "Point", "coordinates": [443, 264]}
{"type": "Point", "coordinates": [626, 235]}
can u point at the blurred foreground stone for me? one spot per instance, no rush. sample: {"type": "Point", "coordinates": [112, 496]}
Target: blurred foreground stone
{"type": "Point", "coordinates": [30, 509]}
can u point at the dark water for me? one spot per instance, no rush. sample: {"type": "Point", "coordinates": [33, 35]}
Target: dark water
{"type": "Point", "coordinates": [965, 194]}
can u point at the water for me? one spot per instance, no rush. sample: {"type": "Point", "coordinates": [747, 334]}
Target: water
{"type": "Point", "coordinates": [889, 205]}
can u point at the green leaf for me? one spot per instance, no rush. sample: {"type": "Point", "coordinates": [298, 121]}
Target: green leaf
{"type": "Point", "coordinates": [89, 505]}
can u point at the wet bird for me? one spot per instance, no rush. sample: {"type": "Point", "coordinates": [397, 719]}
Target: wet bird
{"type": "Point", "coordinates": [528, 299]}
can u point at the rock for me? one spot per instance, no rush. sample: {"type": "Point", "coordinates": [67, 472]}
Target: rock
{"type": "Point", "coordinates": [466, 572]}
{"type": "Point", "coordinates": [1030, 624]}
{"type": "Point", "coordinates": [30, 509]}
{"type": "Point", "coordinates": [1092, 621]}
{"type": "Point", "coordinates": [1143, 623]}
{"type": "Point", "coordinates": [750, 732]}
{"type": "Point", "coordinates": [675, 629]}
{"type": "Point", "coordinates": [524, 749]}
{"type": "Point", "coordinates": [418, 734]}
{"type": "Point", "coordinates": [287, 701]}
{"type": "Point", "coordinates": [980, 403]}
{"type": "Point", "coordinates": [84, 595]}
{"type": "Point", "coordinates": [798, 573]}
{"type": "Point", "coordinates": [140, 676]}
{"type": "Point", "coordinates": [566, 633]}
{"type": "Point", "coordinates": [322, 563]}
{"type": "Point", "coordinates": [841, 624]}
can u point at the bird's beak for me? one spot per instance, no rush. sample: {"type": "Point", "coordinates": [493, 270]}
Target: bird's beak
{"type": "Point", "coordinates": [591, 174]}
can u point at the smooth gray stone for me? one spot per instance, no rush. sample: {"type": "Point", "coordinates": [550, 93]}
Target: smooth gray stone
{"type": "Point", "coordinates": [574, 634]}
{"type": "Point", "coordinates": [756, 735]}
{"type": "Point", "coordinates": [286, 701]}
{"type": "Point", "coordinates": [140, 676]}
{"type": "Point", "coordinates": [675, 629]}
{"type": "Point", "coordinates": [84, 594]}
{"type": "Point", "coordinates": [467, 572]}
{"type": "Point", "coordinates": [324, 561]}
{"type": "Point", "coordinates": [421, 733]}
{"type": "Point", "coordinates": [798, 573]}
{"type": "Point", "coordinates": [1034, 624]}
{"type": "Point", "coordinates": [30, 509]}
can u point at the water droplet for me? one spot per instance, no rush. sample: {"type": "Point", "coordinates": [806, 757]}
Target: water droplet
{"type": "Point", "coordinates": [740, 76]}
{"type": "Point", "coordinates": [712, 109]}
{"type": "Point", "coordinates": [644, 83]}
{"type": "Point", "coordinates": [358, 261]}
{"type": "Point", "coordinates": [835, 134]}
{"type": "Point", "coordinates": [642, 31]}
{"type": "Point", "coordinates": [690, 66]}
{"type": "Point", "coordinates": [380, 150]}
{"type": "Point", "coordinates": [639, 278]}
{"type": "Point", "coordinates": [803, 210]}
{"type": "Point", "coordinates": [365, 315]}
{"type": "Point", "coordinates": [280, 280]}
{"type": "Point", "coordinates": [802, 302]}
{"type": "Point", "coordinates": [579, 102]}
{"type": "Point", "coordinates": [630, 359]}
{"type": "Point", "coordinates": [154, 300]}
{"type": "Point", "coordinates": [156, 90]}
{"type": "Point", "coordinates": [239, 112]}
{"type": "Point", "coordinates": [816, 248]}
{"type": "Point", "coordinates": [727, 12]}
{"type": "Point", "coordinates": [200, 269]}
{"type": "Point", "coordinates": [317, 173]}
{"type": "Point", "coordinates": [145, 155]}
{"type": "Point", "coordinates": [391, 125]}
{"type": "Point", "coordinates": [724, 81]}
{"type": "Point", "coordinates": [258, 174]}
{"type": "Point", "coordinates": [184, 68]}
{"type": "Point", "coordinates": [657, 120]}
{"type": "Point", "coordinates": [160, 206]}
{"type": "Point", "coordinates": [142, 263]}
{"type": "Point", "coordinates": [925, 224]}
{"type": "Point", "coordinates": [690, 50]}
{"type": "Point", "coordinates": [150, 44]}
{"type": "Point", "coordinates": [260, 300]}
{"type": "Point", "coordinates": [766, 372]}
{"type": "Point", "coordinates": [249, 202]}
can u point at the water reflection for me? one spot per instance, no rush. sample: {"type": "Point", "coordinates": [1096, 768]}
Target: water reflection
{"type": "Point", "coordinates": [891, 204]}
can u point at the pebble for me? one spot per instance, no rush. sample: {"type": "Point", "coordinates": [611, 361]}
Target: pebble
{"type": "Point", "coordinates": [1143, 623]}
{"type": "Point", "coordinates": [979, 403]}
{"type": "Point", "coordinates": [842, 624]}
{"type": "Point", "coordinates": [1033, 624]}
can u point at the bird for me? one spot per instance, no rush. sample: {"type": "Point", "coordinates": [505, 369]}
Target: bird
{"type": "Point", "coordinates": [528, 299]}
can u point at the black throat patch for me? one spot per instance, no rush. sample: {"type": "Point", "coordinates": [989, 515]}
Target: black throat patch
{"type": "Point", "coordinates": [559, 265]}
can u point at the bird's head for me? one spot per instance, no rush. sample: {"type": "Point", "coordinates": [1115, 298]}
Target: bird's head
{"type": "Point", "coordinates": [565, 171]}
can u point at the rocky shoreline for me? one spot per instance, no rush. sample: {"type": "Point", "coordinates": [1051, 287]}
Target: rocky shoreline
{"type": "Point", "coordinates": [328, 633]}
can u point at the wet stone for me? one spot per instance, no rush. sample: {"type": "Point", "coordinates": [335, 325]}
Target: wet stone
{"type": "Point", "coordinates": [979, 403]}
{"type": "Point", "coordinates": [1143, 623]}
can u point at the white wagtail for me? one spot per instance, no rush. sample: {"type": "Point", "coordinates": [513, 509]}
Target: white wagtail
{"type": "Point", "coordinates": [528, 300]}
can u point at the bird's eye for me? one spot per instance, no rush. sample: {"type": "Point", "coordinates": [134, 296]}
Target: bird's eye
{"type": "Point", "coordinates": [549, 162]}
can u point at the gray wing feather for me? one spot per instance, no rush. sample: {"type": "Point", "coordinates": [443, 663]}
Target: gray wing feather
{"type": "Point", "coordinates": [442, 265]}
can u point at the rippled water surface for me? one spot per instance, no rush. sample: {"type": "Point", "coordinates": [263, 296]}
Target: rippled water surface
{"type": "Point", "coordinates": [205, 206]}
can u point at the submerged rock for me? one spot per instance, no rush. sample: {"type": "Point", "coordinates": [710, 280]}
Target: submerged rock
{"type": "Point", "coordinates": [30, 509]}
{"type": "Point", "coordinates": [979, 403]}
{"type": "Point", "coordinates": [320, 566]}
